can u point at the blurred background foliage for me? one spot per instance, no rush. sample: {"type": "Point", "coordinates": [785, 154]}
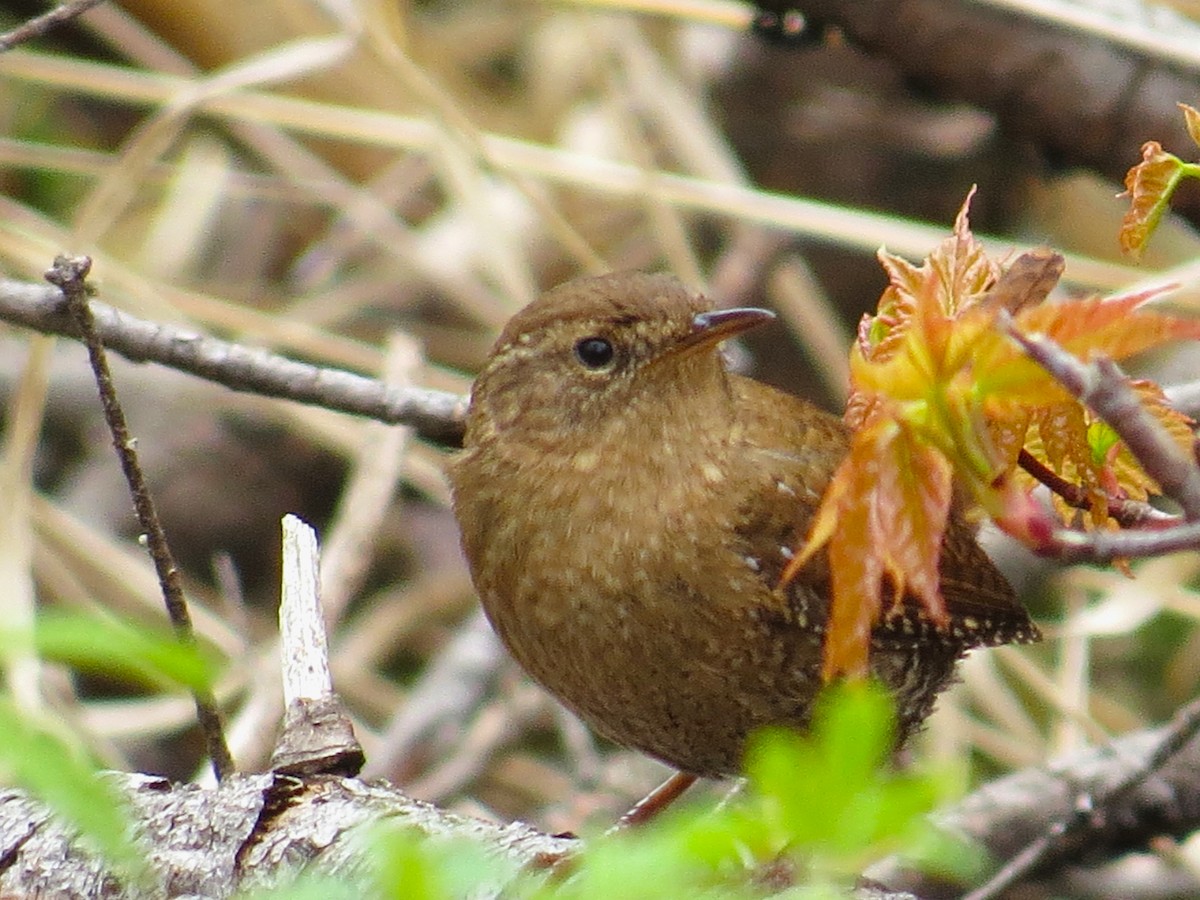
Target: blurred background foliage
{"type": "Point", "coordinates": [378, 186]}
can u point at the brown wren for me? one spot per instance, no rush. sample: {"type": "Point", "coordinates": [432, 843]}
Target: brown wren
{"type": "Point", "coordinates": [628, 504]}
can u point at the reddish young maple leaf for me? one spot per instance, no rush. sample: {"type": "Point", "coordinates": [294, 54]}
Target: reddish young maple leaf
{"type": "Point", "coordinates": [1150, 184]}
{"type": "Point", "coordinates": [941, 393]}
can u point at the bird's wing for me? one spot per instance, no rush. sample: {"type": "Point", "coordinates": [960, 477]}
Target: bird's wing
{"type": "Point", "coordinates": [792, 451]}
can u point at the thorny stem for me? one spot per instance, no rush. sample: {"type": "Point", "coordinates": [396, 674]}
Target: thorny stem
{"type": "Point", "coordinates": [69, 275]}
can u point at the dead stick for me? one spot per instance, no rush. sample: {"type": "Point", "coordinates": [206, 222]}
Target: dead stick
{"type": "Point", "coordinates": [69, 275]}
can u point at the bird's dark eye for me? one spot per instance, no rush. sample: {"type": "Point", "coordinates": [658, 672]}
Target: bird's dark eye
{"type": "Point", "coordinates": [594, 352]}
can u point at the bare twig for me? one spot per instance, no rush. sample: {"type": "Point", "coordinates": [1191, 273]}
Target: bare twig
{"type": "Point", "coordinates": [1091, 812]}
{"type": "Point", "coordinates": [46, 22]}
{"type": "Point", "coordinates": [1070, 546]}
{"type": "Point", "coordinates": [436, 415]}
{"type": "Point", "coordinates": [1176, 473]}
{"type": "Point", "coordinates": [1103, 387]}
{"type": "Point", "coordinates": [317, 735]}
{"type": "Point", "coordinates": [1149, 781]}
{"type": "Point", "coordinates": [69, 274]}
{"type": "Point", "coordinates": [1127, 513]}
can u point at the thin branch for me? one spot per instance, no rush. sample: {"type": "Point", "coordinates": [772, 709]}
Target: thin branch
{"type": "Point", "coordinates": [1070, 546]}
{"type": "Point", "coordinates": [1176, 472]}
{"type": "Point", "coordinates": [1127, 513]}
{"type": "Point", "coordinates": [1102, 386]}
{"type": "Point", "coordinates": [69, 274]}
{"type": "Point", "coordinates": [1149, 782]}
{"type": "Point", "coordinates": [46, 22]}
{"type": "Point", "coordinates": [1090, 812]}
{"type": "Point", "coordinates": [436, 415]}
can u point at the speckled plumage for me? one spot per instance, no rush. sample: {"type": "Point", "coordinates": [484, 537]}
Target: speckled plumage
{"type": "Point", "coordinates": [626, 529]}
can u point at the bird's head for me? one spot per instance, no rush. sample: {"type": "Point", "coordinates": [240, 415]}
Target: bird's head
{"type": "Point", "coordinates": [601, 352]}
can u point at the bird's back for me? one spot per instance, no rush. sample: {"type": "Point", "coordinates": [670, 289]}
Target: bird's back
{"type": "Point", "coordinates": [909, 651]}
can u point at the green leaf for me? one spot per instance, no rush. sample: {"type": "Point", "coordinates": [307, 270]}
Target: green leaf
{"type": "Point", "coordinates": [1149, 185]}
{"type": "Point", "coordinates": [67, 782]}
{"type": "Point", "coordinates": [408, 864]}
{"type": "Point", "coordinates": [645, 866]}
{"type": "Point", "coordinates": [308, 887]}
{"type": "Point", "coordinates": [403, 865]}
{"type": "Point", "coordinates": [107, 645]}
{"type": "Point", "coordinates": [823, 804]}
{"type": "Point", "coordinates": [830, 799]}
{"type": "Point", "coordinates": [1101, 438]}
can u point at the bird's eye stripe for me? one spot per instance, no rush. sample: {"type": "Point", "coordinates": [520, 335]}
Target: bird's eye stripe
{"type": "Point", "coordinates": [594, 352]}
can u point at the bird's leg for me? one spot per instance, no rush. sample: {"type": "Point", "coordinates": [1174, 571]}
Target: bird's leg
{"type": "Point", "coordinates": [655, 801]}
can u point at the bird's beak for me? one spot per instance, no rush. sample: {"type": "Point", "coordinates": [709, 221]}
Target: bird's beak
{"type": "Point", "coordinates": [710, 328]}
